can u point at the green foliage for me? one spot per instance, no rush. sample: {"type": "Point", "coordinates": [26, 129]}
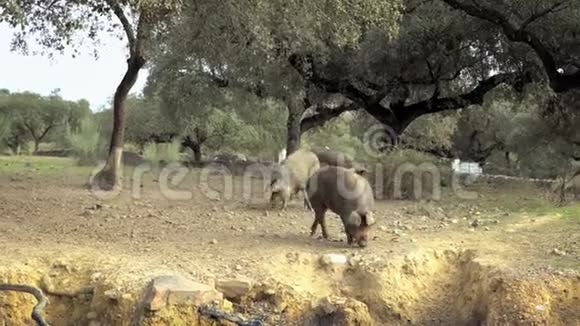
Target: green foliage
{"type": "Point", "coordinates": [251, 128]}
{"type": "Point", "coordinates": [144, 119]}
{"type": "Point", "coordinates": [252, 44]}
{"type": "Point", "coordinates": [511, 132]}
{"type": "Point", "coordinates": [431, 132]}
{"type": "Point", "coordinates": [336, 135]}
{"type": "Point", "coordinates": [86, 142]}
{"type": "Point", "coordinates": [5, 125]}
{"type": "Point", "coordinates": [57, 26]}
{"type": "Point", "coordinates": [39, 118]}
{"type": "Point", "coordinates": [163, 152]}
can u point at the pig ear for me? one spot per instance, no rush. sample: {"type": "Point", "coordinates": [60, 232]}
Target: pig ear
{"type": "Point", "coordinates": [368, 219]}
{"type": "Point", "coordinates": [354, 219]}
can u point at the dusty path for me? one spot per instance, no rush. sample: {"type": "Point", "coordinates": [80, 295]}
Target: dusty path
{"type": "Point", "coordinates": [51, 219]}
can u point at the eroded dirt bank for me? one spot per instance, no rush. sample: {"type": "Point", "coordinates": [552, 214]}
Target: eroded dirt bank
{"type": "Point", "coordinates": [425, 288]}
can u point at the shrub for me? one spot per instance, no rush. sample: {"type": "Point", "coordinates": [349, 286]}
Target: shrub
{"type": "Point", "coordinates": [86, 143]}
{"type": "Point", "coordinates": [399, 173]}
{"type": "Point", "coordinates": [163, 152]}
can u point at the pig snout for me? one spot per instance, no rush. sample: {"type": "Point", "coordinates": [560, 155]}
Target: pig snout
{"type": "Point", "coordinates": [359, 235]}
{"type": "Point", "coordinates": [362, 240]}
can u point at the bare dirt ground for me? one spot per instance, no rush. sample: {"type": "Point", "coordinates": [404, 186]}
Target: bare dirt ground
{"type": "Point", "coordinates": [506, 258]}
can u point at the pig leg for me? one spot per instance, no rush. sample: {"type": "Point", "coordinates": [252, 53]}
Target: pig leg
{"type": "Point", "coordinates": [348, 238]}
{"type": "Point", "coordinates": [323, 226]}
{"type": "Point", "coordinates": [273, 198]}
{"type": "Point", "coordinates": [307, 203]}
{"type": "Point", "coordinates": [318, 219]}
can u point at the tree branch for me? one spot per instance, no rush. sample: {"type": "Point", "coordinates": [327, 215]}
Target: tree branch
{"type": "Point", "coordinates": [118, 11]}
{"type": "Point", "coordinates": [223, 82]}
{"type": "Point", "coordinates": [324, 115]}
{"type": "Point", "coordinates": [558, 82]}
{"type": "Point", "coordinates": [45, 131]}
{"type": "Point", "coordinates": [558, 6]}
{"type": "Point", "coordinates": [31, 129]}
{"type": "Point", "coordinates": [304, 65]}
{"type": "Point", "coordinates": [410, 112]}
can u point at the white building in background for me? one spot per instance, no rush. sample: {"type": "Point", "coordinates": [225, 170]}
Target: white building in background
{"type": "Point", "coordinates": [282, 155]}
{"type": "Point", "coordinates": [470, 168]}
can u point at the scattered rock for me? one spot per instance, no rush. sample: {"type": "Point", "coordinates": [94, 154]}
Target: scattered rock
{"type": "Point", "coordinates": [454, 221]}
{"type": "Point", "coordinates": [326, 305]}
{"type": "Point", "coordinates": [234, 289]}
{"type": "Point", "coordinates": [558, 252]}
{"type": "Point", "coordinates": [475, 223]}
{"type": "Point", "coordinates": [383, 228]}
{"type": "Point", "coordinates": [342, 311]}
{"type": "Point", "coordinates": [173, 289]}
{"type": "Point", "coordinates": [354, 260]}
{"type": "Point", "coordinates": [87, 213]}
{"type": "Point", "coordinates": [96, 276]}
{"type": "Point", "coordinates": [213, 241]}
{"type": "Point", "coordinates": [46, 283]}
{"type": "Point", "coordinates": [487, 228]}
{"type": "Point", "coordinates": [333, 259]}
{"type": "Point", "coordinates": [112, 294]}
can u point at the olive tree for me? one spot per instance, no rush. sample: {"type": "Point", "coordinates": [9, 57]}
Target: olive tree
{"type": "Point", "coordinates": [56, 23]}
{"type": "Point", "coordinates": [250, 44]}
{"type": "Point", "coordinates": [449, 54]}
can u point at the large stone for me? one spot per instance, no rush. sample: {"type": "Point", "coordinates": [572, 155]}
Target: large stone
{"type": "Point", "coordinates": [235, 288]}
{"type": "Point", "coordinates": [341, 311]}
{"type": "Point", "coordinates": [332, 260]}
{"type": "Point", "coordinates": [170, 290]}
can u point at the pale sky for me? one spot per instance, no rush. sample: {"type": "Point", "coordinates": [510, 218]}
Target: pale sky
{"type": "Point", "coordinates": [83, 77]}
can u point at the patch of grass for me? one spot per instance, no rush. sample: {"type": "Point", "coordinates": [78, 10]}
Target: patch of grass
{"type": "Point", "coordinates": [570, 211]}
{"type": "Point", "coordinates": [23, 164]}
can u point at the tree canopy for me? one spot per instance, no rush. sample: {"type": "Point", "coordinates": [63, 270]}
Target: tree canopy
{"type": "Point", "coordinates": [30, 116]}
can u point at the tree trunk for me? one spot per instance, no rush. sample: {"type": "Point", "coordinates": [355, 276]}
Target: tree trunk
{"type": "Point", "coordinates": [197, 154]}
{"type": "Point", "coordinates": [293, 134]}
{"type": "Point", "coordinates": [195, 147]}
{"type": "Point", "coordinates": [109, 177]}
{"type": "Point", "coordinates": [14, 148]}
{"type": "Point", "coordinates": [293, 125]}
{"type": "Point", "coordinates": [36, 146]}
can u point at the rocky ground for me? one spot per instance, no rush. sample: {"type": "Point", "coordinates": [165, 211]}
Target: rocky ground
{"type": "Point", "coordinates": [507, 257]}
